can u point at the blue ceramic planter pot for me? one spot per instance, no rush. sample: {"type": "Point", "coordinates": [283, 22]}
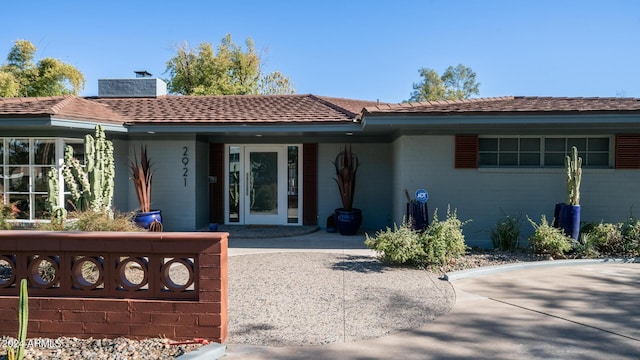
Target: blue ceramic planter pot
{"type": "Point", "coordinates": [144, 219]}
{"type": "Point", "coordinates": [567, 218]}
{"type": "Point", "coordinates": [348, 221]}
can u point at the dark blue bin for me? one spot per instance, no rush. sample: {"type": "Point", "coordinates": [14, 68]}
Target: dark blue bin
{"type": "Point", "coordinates": [418, 215]}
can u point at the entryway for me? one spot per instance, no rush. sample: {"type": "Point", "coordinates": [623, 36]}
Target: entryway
{"type": "Point", "coordinates": [263, 184]}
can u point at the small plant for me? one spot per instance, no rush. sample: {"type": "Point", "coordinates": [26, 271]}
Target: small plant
{"type": "Point", "coordinates": [608, 238]}
{"type": "Point", "coordinates": [586, 247]}
{"type": "Point", "coordinates": [94, 221]}
{"type": "Point", "coordinates": [547, 240]}
{"type": "Point", "coordinates": [400, 245]}
{"type": "Point", "coordinates": [506, 235]}
{"type": "Point", "coordinates": [631, 235]}
{"type": "Point", "coordinates": [142, 177]}
{"type": "Point", "coordinates": [7, 212]}
{"type": "Point", "coordinates": [23, 322]}
{"type": "Point", "coordinates": [346, 164]}
{"type": "Point", "coordinates": [443, 240]}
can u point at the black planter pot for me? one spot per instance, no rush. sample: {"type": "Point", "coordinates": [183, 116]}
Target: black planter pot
{"type": "Point", "coordinates": [348, 221]}
{"type": "Point", "coordinates": [418, 215]}
{"type": "Point", "coordinates": [144, 219]}
{"type": "Point", "coordinates": [567, 218]}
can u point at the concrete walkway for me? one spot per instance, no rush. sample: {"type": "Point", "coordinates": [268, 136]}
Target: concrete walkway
{"type": "Point", "coordinates": [589, 311]}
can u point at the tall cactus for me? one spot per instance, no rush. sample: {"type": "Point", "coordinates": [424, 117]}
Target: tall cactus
{"type": "Point", "coordinates": [23, 322]}
{"type": "Point", "coordinates": [573, 164]}
{"type": "Point", "coordinates": [91, 186]}
{"type": "Point", "coordinates": [57, 211]}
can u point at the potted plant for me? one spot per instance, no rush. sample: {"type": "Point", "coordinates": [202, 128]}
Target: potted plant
{"type": "Point", "coordinates": [347, 218]}
{"type": "Point", "coordinates": [142, 177]}
{"type": "Point", "coordinates": [567, 215]}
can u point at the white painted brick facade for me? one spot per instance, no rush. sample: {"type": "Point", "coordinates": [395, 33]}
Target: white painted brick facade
{"type": "Point", "coordinates": [485, 195]}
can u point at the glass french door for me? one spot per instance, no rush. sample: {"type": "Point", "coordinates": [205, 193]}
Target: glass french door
{"type": "Point", "coordinates": [263, 184]}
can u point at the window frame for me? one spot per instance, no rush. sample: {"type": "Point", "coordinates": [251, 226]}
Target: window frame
{"type": "Point", "coordinates": [543, 152]}
{"type": "Point", "coordinates": [33, 196]}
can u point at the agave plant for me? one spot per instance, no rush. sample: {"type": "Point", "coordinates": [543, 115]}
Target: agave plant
{"type": "Point", "coordinates": [142, 176]}
{"type": "Point", "coordinates": [346, 164]}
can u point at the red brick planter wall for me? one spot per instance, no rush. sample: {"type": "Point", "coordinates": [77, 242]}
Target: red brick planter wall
{"type": "Point", "coordinates": [180, 291]}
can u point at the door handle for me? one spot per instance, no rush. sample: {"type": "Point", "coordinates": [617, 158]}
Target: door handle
{"type": "Point", "coordinates": [246, 185]}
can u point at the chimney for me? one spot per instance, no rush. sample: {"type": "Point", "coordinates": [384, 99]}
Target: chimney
{"type": "Point", "coordinates": [143, 85]}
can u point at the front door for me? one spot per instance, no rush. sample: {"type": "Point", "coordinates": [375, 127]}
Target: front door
{"type": "Point", "coordinates": [265, 185]}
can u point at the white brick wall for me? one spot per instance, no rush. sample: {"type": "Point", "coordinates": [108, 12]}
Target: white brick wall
{"type": "Point", "coordinates": [169, 193]}
{"type": "Point", "coordinates": [373, 187]}
{"type": "Point", "coordinates": [485, 195]}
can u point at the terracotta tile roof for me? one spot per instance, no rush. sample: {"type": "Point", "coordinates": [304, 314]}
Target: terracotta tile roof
{"type": "Point", "coordinates": [66, 107]}
{"type": "Point", "coordinates": [353, 106]}
{"type": "Point", "coordinates": [235, 109]}
{"type": "Point", "coordinates": [509, 105]}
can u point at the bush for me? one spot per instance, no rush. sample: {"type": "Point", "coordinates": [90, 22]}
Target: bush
{"type": "Point", "coordinates": [506, 234]}
{"type": "Point", "coordinates": [442, 241]}
{"type": "Point", "coordinates": [95, 221]}
{"type": "Point", "coordinates": [622, 239]}
{"type": "Point", "coordinates": [7, 212]}
{"type": "Point", "coordinates": [607, 238]}
{"type": "Point", "coordinates": [547, 240]}
{"type": "Point", "coordinates": [400, 245]}
{"type": "Point", "coordinates": [586, 246]}
{"type": "Point", "coordinates": [631, 235]}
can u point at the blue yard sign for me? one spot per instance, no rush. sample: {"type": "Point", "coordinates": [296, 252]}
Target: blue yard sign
{"type": "Point", "coordinates": [422, 195]}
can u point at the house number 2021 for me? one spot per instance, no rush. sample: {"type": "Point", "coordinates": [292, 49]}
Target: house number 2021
{"type": "Point", "coordinates": [185, 162]}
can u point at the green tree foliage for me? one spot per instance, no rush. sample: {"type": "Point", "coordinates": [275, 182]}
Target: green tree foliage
{"type": "Point", "coordinates": [20, 76]}
{"type": "Point", "coordinates": [229, 70]}
{"type": "Point", "coordinates": [456, 83]}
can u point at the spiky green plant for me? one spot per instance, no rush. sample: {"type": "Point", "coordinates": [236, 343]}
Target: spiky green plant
{"type": "Point", "coordinates": [23, 322]}
{"type": "Point", "coordinates": [573, 164]}
{"type": "Point", "coordinates": [57, 211]}
{"type": "Point", "coordinates": [142, 177]}
{"type": "Point", "coordinates": [91, 185]}
{"type": "Point", "coordinates": [346, 165]}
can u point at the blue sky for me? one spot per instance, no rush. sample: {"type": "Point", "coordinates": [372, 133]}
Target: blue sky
{"type": "Point", "coordinates": [353, 48]}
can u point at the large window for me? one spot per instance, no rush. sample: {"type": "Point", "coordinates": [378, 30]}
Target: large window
{"type": "Point", "coordinates": [542, 151]}
{"type": "Point", "coordinates": [24, 165]}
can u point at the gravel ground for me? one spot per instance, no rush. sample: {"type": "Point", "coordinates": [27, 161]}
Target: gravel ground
{"type": "Point", "coordinates": [287, 299]}
{"type": "Point", "coordinates": [65, 348]}
{"type": "Point", "coordinates": [282, 299]}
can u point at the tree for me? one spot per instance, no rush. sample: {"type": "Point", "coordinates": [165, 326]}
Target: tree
{"type": "Point", "coordinates": [456, 83]}
{"type": "Point", "coordinates": [230, 71]}
{"type": "Point", "coordinates": [20, 76]}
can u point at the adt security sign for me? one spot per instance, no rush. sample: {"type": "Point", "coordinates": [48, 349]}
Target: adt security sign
{"type": "Point", "coordinates": [422, 195]}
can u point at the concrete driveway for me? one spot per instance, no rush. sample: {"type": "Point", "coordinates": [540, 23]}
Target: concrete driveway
{"type": "Point", "coordinates": [587, 311]}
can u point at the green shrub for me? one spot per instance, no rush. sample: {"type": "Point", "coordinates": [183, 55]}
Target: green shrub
{"type": "Point", "coordinates": [400, 245]}
{"type": "Point", "coordinates": [608, 238]}
{"type": "Point", "coordinates": [506, 234]}
{"type": "Point", "coordinates": [442, 241]}
{"type": "Point", "coordinates": [631, 235]}
{"type": "Point", "coordinates": [7, 212]}
{"type": "Point", "coordinates": [94, 221]}
{"type": "Point", "coordinates": [622, 239]}
{"type": "Point", "coordinates": [547, 240]}
{"type": "Point", "coordinates": [586, 247]}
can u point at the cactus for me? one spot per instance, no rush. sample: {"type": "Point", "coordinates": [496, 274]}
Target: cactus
{"type": "Point", "coordinates": [91, 186]}
{"type": "Point", "coordinates": [23, 322]}
{"type": "Point", "coordinates": [23, 318]}
{"type": "Point", "coordinates": [573, 164]}
{"type": "Point", "coordinates": [58, 212]}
